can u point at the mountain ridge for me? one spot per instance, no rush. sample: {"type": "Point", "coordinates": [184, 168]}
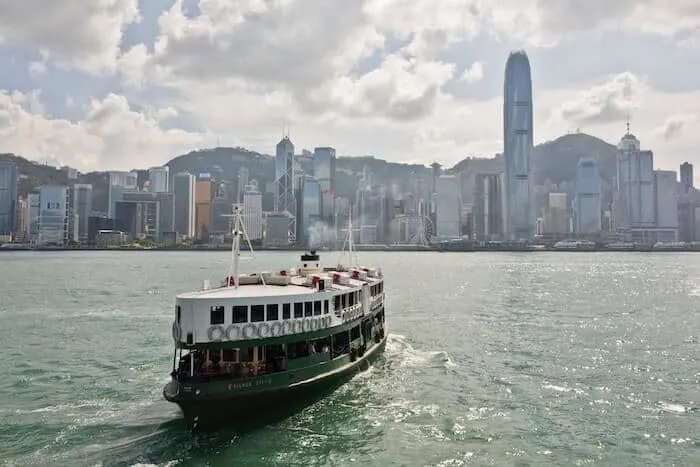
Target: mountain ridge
{"type": "Point", "coordinates": [553, 161]}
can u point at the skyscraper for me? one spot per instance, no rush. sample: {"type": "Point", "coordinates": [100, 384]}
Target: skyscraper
{"type": "Point", "coordinates": [285, 200]}
{"type": "Point", "coordinates": [518, 146]}
{"type": "Point", "coordinates": [184, 196]}
{"type": "Point", "coordinates": [686, 176]}
{"type": "Point", "coordinates": [587, 201]}
{"type": "Point", "coordinates": [635, 202]}
{"type": "Point", "coordinates": [324, 172]}
{"type": "Point", "coordinates": [253, 211]}
{"type": "Point", "coordinates": [8, 197]}
{"type": "Point", "coordinates": [448, 196]}
{"type": "Point", "coordinates": [82, 207]}
{"type": "Point", "coordinates": [159, 178]}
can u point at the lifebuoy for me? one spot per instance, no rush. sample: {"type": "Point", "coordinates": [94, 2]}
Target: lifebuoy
{"type": "Point", "coordinates": [233, 336]}
{"type": "Point", "coordinates": [263, 330]}
{"type": "Point", "coordinates": [276, 329]}
{"type": "Point", "coordinates": [251, 334]}
{"type": "Point", "coordinates": [218, 330]}
{"type": "Point", "coordinates": [177, 331]}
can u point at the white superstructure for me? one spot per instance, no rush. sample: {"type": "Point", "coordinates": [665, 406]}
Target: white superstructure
{"type": "Point", "coordinates": [306, 298]}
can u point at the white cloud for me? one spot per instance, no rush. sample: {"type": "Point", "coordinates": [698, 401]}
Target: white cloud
{"type": "Point", "coordinates": [474, 73]}
{"type": "Point", "coordinates": [611, 101]}
{"type": "Point", "coordinates": [82, 33]}
{"type": "Point", "coordinates": [241, 69]}
{"type": "Point", "coordinates": [112, 135]}
{"type": "Point", "coordinates": [674, 125]}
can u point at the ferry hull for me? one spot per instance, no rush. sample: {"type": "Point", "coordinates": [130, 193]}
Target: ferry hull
{"type": "Point", "coordinates": [248, 410]}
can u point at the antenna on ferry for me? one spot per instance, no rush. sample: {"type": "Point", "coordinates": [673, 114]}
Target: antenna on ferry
{"type": "Point", "coordinates": [349, 241]}
{"type": "Point", "coordinates": [238, 229]}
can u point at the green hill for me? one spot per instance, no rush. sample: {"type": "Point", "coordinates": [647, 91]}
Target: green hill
{"type": "Point", "coordinates": [553, 161]}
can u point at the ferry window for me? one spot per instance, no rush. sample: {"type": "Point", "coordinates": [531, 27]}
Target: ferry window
{"type": "Point", "coordinates": [336, 302]}
{"type": "Point", "coordinates": [325, 307]}
{"type": "Point", "coordinates": [286, 307]}
{"type": "Point", "coordinates": [179, 313]}
{"type": "Point", "coordinates": [217, 315]}
{"type": "Point", "coordinates": [257, 313]}
{"type": "Point", "coordinates": [299, 310]}
{"type": "Point", "coordinates": [351, 300]}
{"type": "Point", "coordinates": [355, 333]}
{"type": "Point", "coordinates": [317, 308]}
{"type": "Point", "coordinates": [308, 309]}
{"type": "Point", "coordinates": [229, 355]}
{"type": "Point", "coordinates": [240, 314]}
{"type": "Point", "coordinates": [344, 300]}
{"type": "Point", "coordinates": [272, 312]}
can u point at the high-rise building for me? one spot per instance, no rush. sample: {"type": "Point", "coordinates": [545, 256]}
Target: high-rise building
{"type": "Point", "coordinates": [243, 176]}
{"type": "Point", "coordinates": [518, 147]}
{"type": "Point", "coordinates": [488, 206]}
{"type": "Point", "coordinates": [184, 201]}
{"type": "Point", "coordinates": [285, 169]}
{"type": "Point", "coordinates": [635, 203]}
{"type": "Point", "coordinates": [587, 198]}
{"type": "Point", "coordinates": [159, 179]}
{"type": "Point", "coordinates": [8, 197]}
{"type": "Point", "coordinates": [324, 172]}
{"type": "Point", "coordinates": [120, 183]}
{"type": "Point", "coordinates": [448, 193]}
{"type": "Point", "coordinates": [82, 207]}
{"type": "Point", "coordinates": [308, 208]}
{"type": "Point", "coordinates": [204, 193]}
{"type": "Point", "coordinates": [33, 205]}
{"type": "Point", "coordinates": [687, 176]}
{"type": "Point", "coordinates": [557, 217]}
{"type": "Point", "coordinates": [252, 211]}
{"type": "Point", "coordinates": [53, 216]}
{"type": "Point", "coordinates": [666, 184]}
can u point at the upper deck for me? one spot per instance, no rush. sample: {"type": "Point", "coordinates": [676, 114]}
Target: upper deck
{"type": "Point", "coordinates": [290, 301]}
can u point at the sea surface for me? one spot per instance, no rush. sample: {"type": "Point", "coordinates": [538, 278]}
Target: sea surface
{"type": "Point", "coordinates": [494, 359]}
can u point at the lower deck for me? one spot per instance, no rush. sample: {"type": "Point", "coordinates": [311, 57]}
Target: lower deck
{"type": "Point", "coordinates": [204, 372]}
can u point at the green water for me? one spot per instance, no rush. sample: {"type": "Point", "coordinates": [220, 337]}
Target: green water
{"type": "Point", "coordinates": [494, 359]}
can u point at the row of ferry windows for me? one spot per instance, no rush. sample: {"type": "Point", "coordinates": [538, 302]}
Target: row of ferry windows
{"type": "Point", "coordinates": [269, 312]}
{"type": "Point", "coordinates": [378, 288]}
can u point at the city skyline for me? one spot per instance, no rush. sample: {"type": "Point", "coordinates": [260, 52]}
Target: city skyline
{"type": "Point", "coordinates": [425, 89]}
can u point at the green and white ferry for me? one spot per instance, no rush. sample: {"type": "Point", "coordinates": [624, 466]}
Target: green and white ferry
{"type": "Point", "coordinates": [264, 339]}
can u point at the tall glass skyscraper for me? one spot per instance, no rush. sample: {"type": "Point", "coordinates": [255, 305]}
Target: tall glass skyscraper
{"type": "Point", "coordinates": [8, 197]}
{"type": "Point", "coordinates": [518, 147]}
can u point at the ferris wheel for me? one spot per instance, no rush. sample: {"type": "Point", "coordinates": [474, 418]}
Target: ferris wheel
{"type": "Point", "coordinates": [416, 229]}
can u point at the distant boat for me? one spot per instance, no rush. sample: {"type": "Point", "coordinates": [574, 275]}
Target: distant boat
{"type": "Point", "coordinates": [262, 341]}
{"type": "Point", "coordinates": [578, 245]}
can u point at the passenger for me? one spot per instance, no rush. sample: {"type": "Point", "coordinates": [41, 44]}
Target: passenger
{"type": "Point", "coordinates": [311, 348]}
{"type": "Point", "coordinates": [325, 348]}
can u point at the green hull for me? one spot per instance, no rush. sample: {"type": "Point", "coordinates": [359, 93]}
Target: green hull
{"type": "Point", "coordinates": [255, 400]}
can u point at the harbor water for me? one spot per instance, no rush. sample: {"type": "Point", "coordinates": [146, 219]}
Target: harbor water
{"type": "Point", "coordinates": [494, 359]}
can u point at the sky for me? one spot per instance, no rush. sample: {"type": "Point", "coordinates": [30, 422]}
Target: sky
{"type": "Point", "coordinates": [121, 84]}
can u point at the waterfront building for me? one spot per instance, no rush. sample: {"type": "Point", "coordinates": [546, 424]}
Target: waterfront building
{"type": "Point", "coordinates": [9, 176]}
{"type": "Point", "coordinates": [518, 147]}
{"type": "Point", "coordinates": [587, 199]}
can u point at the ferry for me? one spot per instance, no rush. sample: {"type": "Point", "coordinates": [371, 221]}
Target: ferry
{"type": "Point", "coordinates": [574, 245]}
{"type": "Point", "coordinates": [261, 340]}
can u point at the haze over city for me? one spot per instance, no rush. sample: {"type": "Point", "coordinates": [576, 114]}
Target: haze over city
{"type": "Point", "coordinates": [130, 84]}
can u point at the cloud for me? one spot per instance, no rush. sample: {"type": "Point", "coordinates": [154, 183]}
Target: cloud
{"type": "Point", "coordinates": [608, 102]}
{"type": "Point", "coordinates": [84, 34]}
{"type": "Point", "coordinates": [474, 73]}
{"type": "Point", "coordinates": [111, 134]}
{"type": "Point", "coordinates": [673, 126]}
